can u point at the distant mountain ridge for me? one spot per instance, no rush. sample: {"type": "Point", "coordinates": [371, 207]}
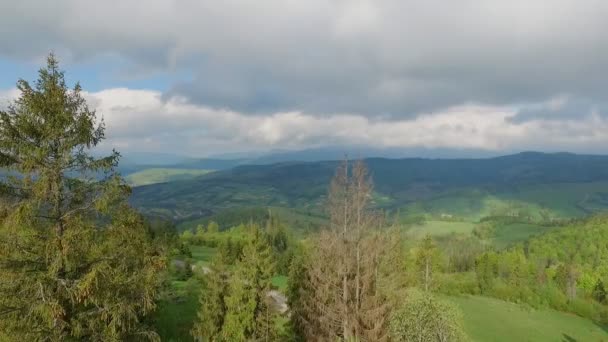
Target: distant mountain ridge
{"type": "Point", "coordinates": [135, 161]}
{"type": "Point", "coordinates": [397, 182]}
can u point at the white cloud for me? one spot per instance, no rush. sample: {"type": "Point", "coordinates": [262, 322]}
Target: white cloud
{"type": "Point", "coordinates": [140, 120]}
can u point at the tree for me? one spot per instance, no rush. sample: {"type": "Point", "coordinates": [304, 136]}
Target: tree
{"type": "Point", "coordinates": [295, 289]}
{"type": "Point", "coordinates": [566, 277]}
{"type": "Point", "coordinates": [199, 236]}
{"type": "Point", "coordinates": [424, 318]}
{"type": "Point", "coordinates": [187, 236]}
{"type": "Point", "coordinates": [210, 317]}
{"type": "Point", "coordinates": [279, 240]}
{"type": "Point", "coordinates": [248, 314]}
{"type": "Point", "coordinates": [427, 260]}
{"type": "Point", "coordinates": [599, 292]}
{"type": "Point", "coordinates": [213, 227]}
{"type": "Point", "coordinates": [342, 273]}
{"type": "Point", "coordinates": [486, 270]}
{"type": "Point", "coordinates": [76, 261]}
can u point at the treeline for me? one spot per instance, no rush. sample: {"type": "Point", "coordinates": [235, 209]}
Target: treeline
{"type": "Point", "coordinates": [348, 282]}
{"type": "Point", "coordinates": [565, 269]}
{"type": "Point", "coordinates": [230, 242]}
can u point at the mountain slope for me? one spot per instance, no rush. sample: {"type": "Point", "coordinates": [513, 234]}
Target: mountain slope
{"type": "Point", "coordinates": [398, 182]}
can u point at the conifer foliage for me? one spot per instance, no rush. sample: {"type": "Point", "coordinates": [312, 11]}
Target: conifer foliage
{"type": "Point", "coordinates": [75, 259]}
{"type": "Point", "coordinates": [341, 299]}
{"type": "Point", "coordinates": [234, 306]}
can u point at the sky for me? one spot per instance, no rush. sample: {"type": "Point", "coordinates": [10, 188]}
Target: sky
{"type": "Point", "coordinates": [203, 77]}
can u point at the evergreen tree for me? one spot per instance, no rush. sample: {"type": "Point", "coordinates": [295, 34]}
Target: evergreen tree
{"type": "Point", "coordinates": [75, 260]}
{"type": "Point", "coordinates": [342, 275]}
{"type": "Point", "coordinates": [599, 292]}
{"type": "Point", "coordinates": [212, 303]}
{"type": "Point", "coordinates": [248, 315]}
{"type": "Point", "coordinates": [295, 288]}
{"type": "Point", "coordinates": [279, 240]}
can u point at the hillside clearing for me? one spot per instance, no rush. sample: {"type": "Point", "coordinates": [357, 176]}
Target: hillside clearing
{"type": "Point", "coordinates": [163, 175]}
{"type": "Point", "coordinates": [488, 319]}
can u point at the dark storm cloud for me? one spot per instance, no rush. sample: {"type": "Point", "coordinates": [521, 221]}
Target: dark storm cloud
{"type": "Point", "coordinates": [385, 58]}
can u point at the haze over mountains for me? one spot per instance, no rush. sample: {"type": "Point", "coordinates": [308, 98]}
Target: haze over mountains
{"type": "Point", "coordinates": [228, 160]}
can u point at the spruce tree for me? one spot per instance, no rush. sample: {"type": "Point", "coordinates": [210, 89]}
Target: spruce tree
{"type": "Point", "coordinates": [248, 315]}
{"type": "Point", "coordinates": [75, 260]}
{"type": "Point", "coordinates": [341, 299]}
{"type": "Point", "coordinates": [296, 282]}
{"type": "Point", "coordinates": [212, 303]}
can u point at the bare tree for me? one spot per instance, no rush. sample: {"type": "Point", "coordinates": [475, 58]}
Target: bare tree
{"type": "Point", "coordinates": [341, 299]}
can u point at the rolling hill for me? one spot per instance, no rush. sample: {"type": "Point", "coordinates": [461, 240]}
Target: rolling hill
{"type": "Point", "coordinates": [563, 184]}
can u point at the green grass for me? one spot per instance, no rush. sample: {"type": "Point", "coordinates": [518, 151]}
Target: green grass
{"type": "Point", "coordinates": [488, 319]}
{"type": "Point", "coordinates": [177, 311]}
{"type": "Point", "coordinates": [280, 282]}
{"type": "Point", "coordinates": [202, 255]}
{"type": "Point", "coordinates": [160, 175]}
{"type": "Point", "coordinates": [436, 228]}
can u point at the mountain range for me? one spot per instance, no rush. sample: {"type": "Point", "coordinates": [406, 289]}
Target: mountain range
{"type": "Point", "coordinates": [564, 184]}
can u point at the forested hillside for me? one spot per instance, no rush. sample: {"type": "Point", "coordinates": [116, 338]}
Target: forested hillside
{"type": "Point", "coordinates": [564, 185]}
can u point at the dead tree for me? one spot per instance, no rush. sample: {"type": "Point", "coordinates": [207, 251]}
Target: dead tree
{"type": "Point", "coordinates": [341, 299]}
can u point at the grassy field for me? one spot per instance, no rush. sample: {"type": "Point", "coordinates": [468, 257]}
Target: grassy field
{"type": "Point", "coordinates": [202, 255]}
{"type": "Point", "coordinates": [161, 175]}
{"type": "Point", "coordinates": [488, 319]}
{"type": "Point", "coordinates": [177, 310]}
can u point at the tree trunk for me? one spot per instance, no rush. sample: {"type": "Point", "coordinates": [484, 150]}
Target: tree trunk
{"type": "Point", "coordinates": [426, 276]}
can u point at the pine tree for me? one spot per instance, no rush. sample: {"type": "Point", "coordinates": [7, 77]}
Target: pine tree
{"type": "Point", "coordinates": [248, 314]}
{"type": "Point", "coordinates": [296, 282]}
{"type": "Point", "coordinates": [75, 260]}
{"type": "Point", "coordinates": [212, 303]}
{"type": "Point", "coordinates": [343, 271]}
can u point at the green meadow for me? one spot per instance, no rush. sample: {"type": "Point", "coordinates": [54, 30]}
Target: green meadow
{"type": "Point", "coordinates": [162, 175]}
{"type": "Point", "coordinates": [488, 319]}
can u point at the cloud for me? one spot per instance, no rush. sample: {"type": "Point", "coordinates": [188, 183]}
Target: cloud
{"type": "Point", "coordinates": [561, 108]}
{"type": "Point", "coordinates": [6, 96]}
{"type": "Point", "coordinates": [139, 120]}
{"type": "Point", "coordinates": [381, 59]}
